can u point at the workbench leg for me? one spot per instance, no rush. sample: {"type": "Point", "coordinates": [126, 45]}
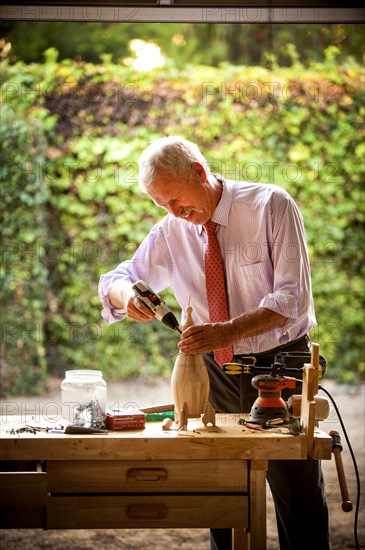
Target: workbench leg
{"type": "Point", "coordinates": [240, 540]}
{"type": "Point", "coordinates": [258, 471]}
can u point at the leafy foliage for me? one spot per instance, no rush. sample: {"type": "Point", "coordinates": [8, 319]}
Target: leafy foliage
{"type": "Point", "coordinates": [185, 43]}
{"type": "Point", "coordinates": [72, 133]}
{"type": "Point", "coordinates": [24, 235]}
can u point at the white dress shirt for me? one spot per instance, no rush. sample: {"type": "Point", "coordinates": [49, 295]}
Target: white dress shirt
{"type": "Point", "coordinates": [264, 250]}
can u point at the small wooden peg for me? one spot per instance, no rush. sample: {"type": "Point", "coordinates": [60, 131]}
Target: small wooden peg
{"type": "Point", "coordinates": [189, 319]}
{"type": "Point", "coordinates": [183, 418]}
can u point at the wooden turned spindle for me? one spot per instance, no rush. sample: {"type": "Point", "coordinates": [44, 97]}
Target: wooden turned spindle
{"type": "Point", "coordinates": [189, 382]}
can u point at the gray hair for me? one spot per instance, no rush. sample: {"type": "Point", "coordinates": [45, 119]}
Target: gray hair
{"type": "Point", "coordinates": [172, 154]}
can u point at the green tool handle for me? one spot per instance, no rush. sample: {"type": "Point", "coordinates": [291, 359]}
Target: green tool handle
{"type": "Point", "coordinates": [158, 416]}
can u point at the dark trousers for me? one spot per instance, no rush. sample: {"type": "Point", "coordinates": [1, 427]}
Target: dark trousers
{"type": "Point", "coordinates": [297, 486]}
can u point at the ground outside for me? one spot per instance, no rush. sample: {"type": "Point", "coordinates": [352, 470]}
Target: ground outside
{"type": "Point", "coordinates": [349, 400]}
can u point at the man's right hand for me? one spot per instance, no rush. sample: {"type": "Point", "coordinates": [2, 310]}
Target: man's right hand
{"type": "Point", "coordinates": [138, 311]}
{"type": "Point", "coordinates": [122, 296]}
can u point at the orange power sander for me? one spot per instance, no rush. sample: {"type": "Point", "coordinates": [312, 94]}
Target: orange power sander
{"type": "Point", "coordinates": [269, 404]}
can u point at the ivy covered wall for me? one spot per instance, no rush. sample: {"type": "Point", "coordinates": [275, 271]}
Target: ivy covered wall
{"type": "Point", "coordinates": [71, 209]}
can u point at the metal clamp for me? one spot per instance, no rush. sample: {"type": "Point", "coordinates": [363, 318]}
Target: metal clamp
{"type": "Point", "coordinates": [240, 368]}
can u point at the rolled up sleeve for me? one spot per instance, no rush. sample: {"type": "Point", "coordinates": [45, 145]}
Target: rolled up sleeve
{"type": "Point", "coordinates": [292, 291]}
{"type": "Point", "coordinates": [149, 263]}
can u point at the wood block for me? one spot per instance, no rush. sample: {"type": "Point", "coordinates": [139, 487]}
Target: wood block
{"type": "Point", "coordinates": [209, 415]}
{"type": "Point", "coordinates": [308, 405]}
{"type": "Point", "coordinates": [315, 364]}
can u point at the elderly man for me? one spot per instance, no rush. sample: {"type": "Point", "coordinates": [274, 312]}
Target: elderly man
{"type": "Point", "coordinates": [265, 306]}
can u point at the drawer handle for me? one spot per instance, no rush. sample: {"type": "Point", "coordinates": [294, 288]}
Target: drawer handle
{"type": "Point", "coordinates": [146, 474]}
{"type": "Point", "coordinates": [146, 511]}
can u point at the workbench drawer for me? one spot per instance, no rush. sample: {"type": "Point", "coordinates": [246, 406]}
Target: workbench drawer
{"type": "Point", "coordinates": [113, 476]}
{"type": "Point", "coordinates": [147, 511]}
{"type": "Point", "coordinates": [23, 494]}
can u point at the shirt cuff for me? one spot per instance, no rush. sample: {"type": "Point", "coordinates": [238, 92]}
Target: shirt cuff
{"type": "Point", "coordinates": [282, 303]}
{"type": "Point", "coordinates": [285, 305]}
{"type": "Point", "coordinates": [110, 314]}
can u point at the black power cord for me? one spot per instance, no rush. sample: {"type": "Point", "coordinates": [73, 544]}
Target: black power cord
{"type": "Point", "coordinates": [279, 368]}
{"type": "Point", "coordinates": [357, 546]}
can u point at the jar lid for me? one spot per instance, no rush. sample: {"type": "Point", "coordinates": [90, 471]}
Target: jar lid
{"type": "Point", "coordinates": [84, 372]}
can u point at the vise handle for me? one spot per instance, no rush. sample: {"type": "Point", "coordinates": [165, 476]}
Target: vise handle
{"type": "Point", "coordinates": [337, 449]}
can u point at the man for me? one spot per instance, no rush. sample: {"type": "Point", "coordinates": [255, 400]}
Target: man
{"type": "Point", "coordinates": [267, 277]}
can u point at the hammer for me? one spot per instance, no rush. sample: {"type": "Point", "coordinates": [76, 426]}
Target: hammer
{"type": "Point", "coordinates": [337, 449]}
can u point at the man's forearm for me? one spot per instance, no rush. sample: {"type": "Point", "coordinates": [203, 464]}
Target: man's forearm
{"type": "Point", "coordinates": [254, 323]}
{"type": "Point", "coordinates": [212, 336]}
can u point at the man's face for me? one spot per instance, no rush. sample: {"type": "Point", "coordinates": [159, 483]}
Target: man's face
{"type": "Point", "coordinates": [187, 198]}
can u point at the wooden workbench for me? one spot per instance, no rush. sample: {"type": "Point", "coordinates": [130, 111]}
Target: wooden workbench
{"type": "Point", "coordinates": [200, 477]}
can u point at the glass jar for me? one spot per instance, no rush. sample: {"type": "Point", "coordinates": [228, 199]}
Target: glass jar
{"type": "Point", "coordinates": [84, 398]}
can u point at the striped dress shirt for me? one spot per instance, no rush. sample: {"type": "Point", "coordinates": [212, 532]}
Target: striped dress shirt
{"type": "Point", "coordinates": [264, 250]}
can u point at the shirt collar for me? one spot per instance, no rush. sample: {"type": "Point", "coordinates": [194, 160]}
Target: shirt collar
{"type": "Point", "coordinates": [221, 213]}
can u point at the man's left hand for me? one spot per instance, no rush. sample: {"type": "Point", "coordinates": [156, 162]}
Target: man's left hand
{"type": "Point", "coordinates": [206, 337]}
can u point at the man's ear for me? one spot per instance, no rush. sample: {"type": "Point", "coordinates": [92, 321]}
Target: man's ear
{"type": "Point", "coordinates": [199, 170]}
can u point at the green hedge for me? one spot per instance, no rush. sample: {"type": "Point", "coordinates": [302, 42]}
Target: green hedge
{"type": "Point", "coordinates": [71, 208]}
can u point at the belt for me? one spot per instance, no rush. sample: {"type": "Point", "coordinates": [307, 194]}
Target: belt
{"type": "Point", "coordinates": [303, 341]}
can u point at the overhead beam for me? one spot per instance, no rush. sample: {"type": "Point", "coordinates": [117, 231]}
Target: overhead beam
{"type": "Point", "coordinates": [194, 3]}
{"type": "Point", "coordinates": [135, 12]}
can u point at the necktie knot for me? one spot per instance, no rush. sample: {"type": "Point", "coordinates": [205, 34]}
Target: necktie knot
{"type": "Point", "coordinates": [210, 227]}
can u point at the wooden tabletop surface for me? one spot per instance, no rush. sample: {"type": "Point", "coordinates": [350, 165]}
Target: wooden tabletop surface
{"type": "Point", "coordinates": [227, 440]}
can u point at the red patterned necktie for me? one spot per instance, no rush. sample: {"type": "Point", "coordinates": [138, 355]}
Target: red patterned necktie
{"type": "Point", "coordinates": [216, 289]}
